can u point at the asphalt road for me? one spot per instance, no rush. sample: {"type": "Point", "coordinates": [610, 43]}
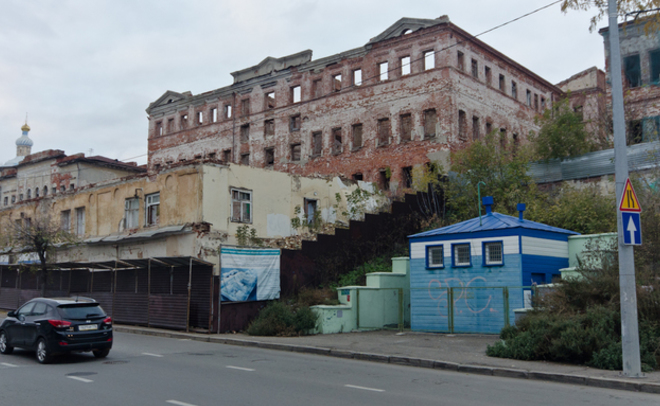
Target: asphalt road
{"type": "Point", "coordinates": [143, 370]}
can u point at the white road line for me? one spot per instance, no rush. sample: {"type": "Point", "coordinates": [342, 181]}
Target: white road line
{"type": "Point", "coordinates": [365, 388]}
{"type": "Point", "coordinates": [240, 368]}
{"type": "Point", "coordinates": [176, 402]}
{"type": "Point", "coordinates": [77, 378]}
{"type": "Point", "coordinates": [7, 364]}
{"type": "Point", "coordinates": [152, 355]}
{"type": "Point", "coordinates": [184, 339]}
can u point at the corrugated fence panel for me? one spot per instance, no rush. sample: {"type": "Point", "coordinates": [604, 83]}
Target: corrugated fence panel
{"type": "Point", "coordinates": [102, 281]}
{"type": "Point", "coordinates": [130, 308]}
{"type": "Point", "coordinates": [200, 302]}
{"type": "Point", "coordinates": [9, 278]}
{"type": "Point", "coordinates": [168, 311]}
{"type": "Point", "coordinates": [9, 298]}
{"type": "Point", "coordinates": [79, 281]}
{"type": "Point", "coordinates": [105, 299]}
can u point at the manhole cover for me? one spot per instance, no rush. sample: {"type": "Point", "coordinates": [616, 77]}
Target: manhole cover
{"type": "Point", "coordinates": [115, 362]}
{"type": "Point", "coordinates": [81, 374]}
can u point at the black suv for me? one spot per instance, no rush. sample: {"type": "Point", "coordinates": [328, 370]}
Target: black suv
{"type": "Point", "coordinates": [57, 326]}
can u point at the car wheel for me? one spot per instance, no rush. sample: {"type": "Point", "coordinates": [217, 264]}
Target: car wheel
{"type": "Point", "coordinates": [43, 355]}
{"type": "Point", "coordinates": [101, 353]}
{"type": "Point", "coordinates": [4, 348]}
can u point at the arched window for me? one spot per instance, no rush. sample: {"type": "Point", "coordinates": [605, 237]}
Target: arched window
{"type": "Point", "coordinates": [29, 194]}
{"type": "Point", "coordinates": [45, 190]}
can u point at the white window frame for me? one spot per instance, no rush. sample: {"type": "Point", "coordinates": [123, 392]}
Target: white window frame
{"type": "Point", "coordinates": [242, 199]}
{"type": "Point", "coordinates": [132, 213]}
{"type": "Point", "coordinates": [488, 253]}
{"type": "Point", "coordinates": [430, 249]}
{"type": "Point", "coordinates": [151, 209]}
{"type": "Point", "coordinates": [456, 253]}
{"type": "Point", "coordinates": [65, 220]}
{"type": "Point", "coordinates": [80, 221]}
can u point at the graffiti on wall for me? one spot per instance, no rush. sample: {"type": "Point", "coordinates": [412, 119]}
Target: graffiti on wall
{"type": "Point", "coordinates": [476, 299]}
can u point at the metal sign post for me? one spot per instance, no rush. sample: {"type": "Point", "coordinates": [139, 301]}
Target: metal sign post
{"type": "Point", "coordinates": [627, 286]}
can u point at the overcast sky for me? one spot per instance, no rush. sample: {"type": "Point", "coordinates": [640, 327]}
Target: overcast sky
{"type": "Point", "coordinates": [86, 70]}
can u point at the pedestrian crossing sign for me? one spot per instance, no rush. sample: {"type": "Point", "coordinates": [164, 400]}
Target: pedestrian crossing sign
{"type": "Point", "coordinates": [629, 202]}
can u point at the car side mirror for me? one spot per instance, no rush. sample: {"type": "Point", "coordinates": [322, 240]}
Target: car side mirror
{"type": "Point", "coordinates": [11, 314]}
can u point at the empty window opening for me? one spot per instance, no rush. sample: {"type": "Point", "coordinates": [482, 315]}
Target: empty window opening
{"type": "Point", "coordinates": [430, 121]}
{"type": "Point", "coordinates": [489, 75]}
{"type": "Point", "coordinates": [159, 128]}
{"type": "Point", "coordinates": [269, 101]}
{"type": "Point", "coordinates": [475, 128]}
{"type": "Point", "coordinates": [317, 143]}
{"type": "Point", "coordinates": [383, 179]}
{"type": "Point", "coordinates": [407, 177]}
{"type": "Point", "coordinates": [294, 123]}
{"type": "Point", "coordinates": [241, 206]}
{"type": "Point", "coordinates": [475, 68]}
{"type": "Point", "coordinates": [227, 110]}
{"type": "Point", "coordinates": [384, 70]}
{"type": "Point", "coordinates": [406, 127]}
{"type": "Point", "coordinates": [357, 77]}
{"type": "Point", "coordinates": [152, 209]}
{"type": "Point", "coordinates": [336, 83]}
{"type": "Point", "coordinates": [183, 124]}
{"type": "Point", "coordinates": [269, 156]}
{"type": "Point", "coordinates": [317, 88]}
{"type": "Point", "coordinates": [429, 60]}
{"type": "Point", "coordinates": [632, 70]}
{"type": "Point", "coordinates": [516, 141]}
{"type": "Point", "coordinates": [503, 138]}
{"type": "Point", "coordinates": [383, 130]}
{"type": "Point", "coordinates": [269, 128]}
{"type": "Point", "coordinates": [514, 89]}
{"type": "Point", "coordinates": [245, 159]}
{"type": "Point", "coordinates": [336, 141]}
{"type": "Point", "coordinates": [528, 96]}
{"type": "Point", "coordinates": [295, 94]}
{"type": "Point", "coordinates": [542, 103]}
{"type": "Point", "coordinates": [502, 83]}
{"type": "Point", "coordinates": [245, 107]}
{"type": "Point", "coordinates": [405, 66]}
{"type": "Point", "coordinates": [357, 176]}
{"type": "Point", "coordinates": [310, 210]}
{"type": "Point", "coordinates": [72, 186]}
{"type": "Point", "coordinates": [460, 60]}
{"type": "Point", "coordinates": [200, 118]}
{"type": "Point", "coordinates": [245, 133]}
{"type": "Point", "coordinates": [462, 125]}
{"type": "Point", "coordinates": [36, 192]}
{"type": "Point", "coordinates": [62, 189]}
{"type": "Point", "coordinates": [536, 101]}
{"type": "Point", "coordinates": [214, 115]}
{"type": "Point", "coordinates": [357, 135]}
{"type": "Point", "coordinates": [170, 125]}
{"type": "Point", "coordinates": [29, 194]}
{"type": "Point", "coordinates": [635, 132]}
{"type": "Point", "coordinates": [295, 152]}
{"type": "Point", "coordinates": [226, 155]}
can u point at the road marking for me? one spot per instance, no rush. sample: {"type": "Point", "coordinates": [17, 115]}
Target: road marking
{"type": "Point", "coordinates": [7, 364]}
{"type": "Point", "coordinates": [184, 339]}
{"type": "Point", "coordinates": [176, 402]}
{"type": "Point", "coordinates": [152, 355]}
{"type": "Point", "coordinates": [365, 388]}
{"type": "Point", "coordinates": [240, 368]}
{"type": "Point", "coordinates": [77, 378]}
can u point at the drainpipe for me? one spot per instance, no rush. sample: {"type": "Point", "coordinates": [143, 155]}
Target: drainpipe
{"type": "Point", "coordinates": [233, 127]}
{"type": "Point", "coordinates": [189, 293]}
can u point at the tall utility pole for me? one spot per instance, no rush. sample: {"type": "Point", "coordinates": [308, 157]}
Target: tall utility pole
{"type": "Point", "coordinates": [627, 286]}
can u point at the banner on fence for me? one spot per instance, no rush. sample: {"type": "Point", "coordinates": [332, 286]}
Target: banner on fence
{"type": "Point", "coordinates": [249, 274]}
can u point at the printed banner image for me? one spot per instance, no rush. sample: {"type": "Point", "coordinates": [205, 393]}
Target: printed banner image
{"type": "Point", "coordinates": [249, 274]}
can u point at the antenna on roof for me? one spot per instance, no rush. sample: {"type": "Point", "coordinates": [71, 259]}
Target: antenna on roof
{"type": "Point", "coordinates": [479, 198]}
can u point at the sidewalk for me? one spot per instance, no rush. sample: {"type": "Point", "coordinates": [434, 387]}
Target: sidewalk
{"type": "Point", "coordinates": [461, 353]}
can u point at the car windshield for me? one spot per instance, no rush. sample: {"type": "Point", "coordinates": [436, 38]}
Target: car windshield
{"type": "Point", "coordinates": [82, 311]}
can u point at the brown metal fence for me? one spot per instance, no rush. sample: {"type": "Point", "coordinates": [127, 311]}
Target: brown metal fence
{"type": "Point", "coordinates": [174, 293]}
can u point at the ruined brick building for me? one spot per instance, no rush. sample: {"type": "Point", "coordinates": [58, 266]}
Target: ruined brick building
{"type": "Point", "coordinates": [373, 113]}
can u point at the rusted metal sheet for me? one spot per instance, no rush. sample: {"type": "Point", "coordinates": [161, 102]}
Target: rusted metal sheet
{"type": "Point", "coordinates": [200, 302]}
{"type": "Point", "coordinates": [9, 298]}
{"type": "Point", "coordinates": [130, 308]}
{"type": "Point", "coordinates": [168, 311]}
{"type": "Point", "coordinates": [79, 281]}
{"type": "Point", "coordinates": [101, 281]}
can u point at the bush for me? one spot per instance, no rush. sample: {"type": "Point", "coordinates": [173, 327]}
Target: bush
{"type": "Point", "coordinates": [279, 319]}
{"type": "Point", "coordinates": [320, 296]}
{"type": "Point", "coordinates": [357, 277]}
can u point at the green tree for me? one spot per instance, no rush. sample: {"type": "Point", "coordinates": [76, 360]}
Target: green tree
{"type": "Point", "coordinates": [562, 133]}
{"type": "Point", "coordinates": [623, 7]}
{"type": "Point", "coordinates": [503, 170]}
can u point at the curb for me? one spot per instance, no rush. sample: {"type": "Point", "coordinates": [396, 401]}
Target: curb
{"type": "Point", "coordinates": [597, 382]}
